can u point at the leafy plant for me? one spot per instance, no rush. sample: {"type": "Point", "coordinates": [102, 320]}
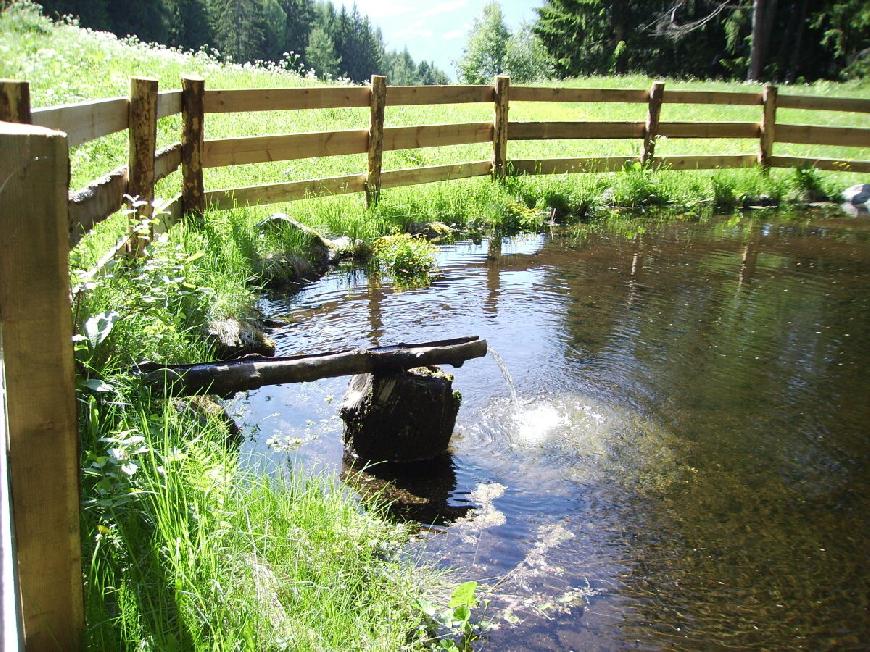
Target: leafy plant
{"type": "Point", "coordinates": [456, 618]}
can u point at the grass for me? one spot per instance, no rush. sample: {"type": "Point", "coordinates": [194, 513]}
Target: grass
{"type": "Point", "coordinates": [185, 548]}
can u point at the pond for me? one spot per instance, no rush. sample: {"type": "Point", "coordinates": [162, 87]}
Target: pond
{"type": "Point", "coordinates": [684, 463]}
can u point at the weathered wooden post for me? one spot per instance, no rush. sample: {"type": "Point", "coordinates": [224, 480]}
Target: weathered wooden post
{"type": "Point", "coordinates": [376, 139]}
{"type": "Point", "coordinates": [500, 126]}
{"type": "Point", "coordinates": [193, 115]}
{"type": "Point", "coordinates": [651, 128]}
{"type": "Point", "coordinates": [36, 359]}
{"type": "Point", "coordinates": [14, 101]}
{"type": "Point", "coordinates": [142, 150]}
{"type": "Point", "coordinates": [768, 125]}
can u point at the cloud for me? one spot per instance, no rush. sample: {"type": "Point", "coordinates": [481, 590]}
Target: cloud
{"type": "Point", "coordinates": [459, 32]}
{"type": "Point", "coordinates": [445, 7]}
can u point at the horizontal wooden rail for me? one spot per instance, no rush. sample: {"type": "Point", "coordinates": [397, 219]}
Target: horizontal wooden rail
{"type": "Point", "coordinates": [90, 206]}
{"type": "Point", "coordinates": [167, 161]}
{"type": "Point", "coordinates": [812, 103]}
{"type": "Point", "coordinates": [709, 129]}
{"type": "Point", "coordinates": [414, 176]}
{"type": "Point", "coordinates": [833, 164]}
{"type": "Point", "coordinates": [437, 135]}
{"type": "Point", "coordinates": [85, 121]}
{"type": "Point", "coordinates": [262, 149]}
{"type": "Point", "coordinates": [168, 103]}
{"type": "Point", "coordinates": [569, 165]}
{"type": "Point", "coordinates": [542, 94]}
{"type": "Point", "coordinates": [573, 130]}
{"type": "Point", "coordinates": [812, 135]}
{"type": "Point", "coordinates": [281, 192]}
{"type": "Point", "coordinates": [284, 99]}
{"type": "Point", "coordinates": [406, 95]}
{"type": "Point", "coordinates": [722, 98]}
{"type": "Point", "coordinates": [707, 162]}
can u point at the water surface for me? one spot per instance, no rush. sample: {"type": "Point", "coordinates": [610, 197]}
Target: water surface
{"type": "Point", "coordinates": [685, 464]}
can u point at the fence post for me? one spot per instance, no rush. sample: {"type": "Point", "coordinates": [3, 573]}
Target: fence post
{"type": "Point", "coordinates": [193, 115]}
{"type": "Point", "coordinates": [14, 101]}
{"type": "Point", "coordinates": [376, 139]}
{"type": "Point", "coordinates": [500, 126]}
{"type": "Point", "coordinates": [36, 359]}
{"type": "Point", "coordinates": [143, 148]}
{"type": "Point", "coordinates": [656, 94]}
{"type": "Point", "coordinates": [768, 125]}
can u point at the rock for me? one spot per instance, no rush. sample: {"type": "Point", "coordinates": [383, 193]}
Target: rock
{"type": "Point", "coordinates": [233, 338]}
{"type": "Point", "coordinates": [857, 195]}
{"type": "Point", "coordinates": [762, 201]}
{"type": "Point", "coordinates": [435, 231]}
{"type": "Point", "coordinates": [205, 408]}
{"type": "Point", "coordinates": [317, 248]}
{"type": "Point", "coordinates": [281, 271]}
{"type": "Point", "coordinates": [403, 417]}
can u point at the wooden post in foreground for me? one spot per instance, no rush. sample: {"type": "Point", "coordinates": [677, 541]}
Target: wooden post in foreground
{"type": "Point", "coordinates": [768, 125]}
{"type": "Point", "coordinates": [193, 114]}
{"type": "Point", "coordinates": [36, 359]}
{"type": "Point", "coordinates": [376, 139]}
{"type": "Point", "coordinates": [656, 94]}
{"type": "Point", "coordinates": [14, 101]}
{"type": "Point", "coordinates": [500, 126]}
{"type": "Point", "coordinates": [143, 147]}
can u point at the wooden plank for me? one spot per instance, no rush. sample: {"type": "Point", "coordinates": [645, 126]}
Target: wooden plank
{"type": "Point", "coordinates": [168, 103]}
{"type": "Point", "coordinates": [167, 161]}
{"type": "Point", "coordinates": [12, 632]}
{"type": "Point", "coordinates": [712, 162]}
{"type": "Point", "coordinates": [814, 103]}
{"type": "Point", "coordinates": [812, 135]}
{"type": "Point", "coordinates": [85, 121]}
{"type": "Point", "coordinates": [412, 95]}
{"type": "Point", "coordinates": [570, 165]}
{"type": "Point", "coordinates": [376, 139]}
{"type": "Point", "coordinates": [833, 164]}
{"type": "Point", "coordinates": [710, 129]}
{"type": "Point", "coordinates": [142, 150]}
{"type": "Point", "coordinates": [768, 125]}
{"type": "Point", "coordinates": [574, 130]}
{"type": "Point", "coordinates": [262, 149]}
{"type": "Point", "coordinates": [542, 94]}
{"type": "Point", "coordinates": [414, 176]}
{"type": "Point", "coordinates": [651, 128]}
{"type": "Point", "coordinates": [437, 135]}
{"type": "Point", "coordinates": [43, 438]}
{"type": "Point", "coordinates": [283, 192]}
{"type": "Point", "coordinates": [500, 125]}
{"type": "Point", "coordinates": [192, 143]}
{"type": "Point", "coordinates": [14, 101]}
{"type": "Point", "coordinates": [722, 98]}
{"type": "Point", "coordinates": [284, 99]}
{"type": "Point", "coordinates": [93, 204]}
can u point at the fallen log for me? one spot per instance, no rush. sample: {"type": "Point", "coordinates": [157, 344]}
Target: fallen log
{"type": "Point", "coordinates": [252, 372]}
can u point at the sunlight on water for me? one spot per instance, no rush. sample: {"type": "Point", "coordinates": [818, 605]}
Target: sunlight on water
{"type": "Point", "coordinates": [537, 424]}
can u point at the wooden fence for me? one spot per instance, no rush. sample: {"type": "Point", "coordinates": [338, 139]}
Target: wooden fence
{"type": "Point", "coordinates": [40, 219]}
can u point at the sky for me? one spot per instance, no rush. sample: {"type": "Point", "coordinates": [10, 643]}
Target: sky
{"type": "Point", "coordinates": [435, 30]}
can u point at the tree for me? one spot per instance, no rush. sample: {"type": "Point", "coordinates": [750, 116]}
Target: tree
{"type": "Point", "coordinates": [526, 58]}
{"type": "Point", "coordinates": [188, 24]}
{"type": "Point", "coordinates": [320, 54]}
{"type": "Point", "coordinates": [238, 28]}
{"type": "Point", "coordinates": [486, 51]}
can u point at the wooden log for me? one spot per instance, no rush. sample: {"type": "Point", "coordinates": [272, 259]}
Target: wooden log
{"type": "Point", "coordinates": [570, 165]}
{"type": "Point", "coordinates": [167, 161]}
{"type": "Point", "coordinates": [768, 125]}
{"type": "Point", "coordinates": [812, 135]}
{"type": "Point", "coordinates": [832, 164]}
{"type": "Point", "coordinates": [284, 99]}
{"type": "Point", "coordinates": [168, 103]}
{"type": "Point", "coordinates": [36, 360]}
{"type": "Point", "coordinates": [414, 176]}
{"type": "Point", "coordinates": [651, 128]}
{"type": "Point", "coordinates": [252, 372]}
{"type": "Point", "coordinates": [376, 139]}
{"type": "Point", "coordinates": [436, 135]}
{"type": "Point", "coordinates": [709, 129]}
{"type": "Point", "coordinates": [500, 125]}
{"type": "Point", "coordinates": [280, 192]}
{"type": "Point", "coordinates": [142, 150]}
{"type": "Point", "coordinates": [541, 94]}
{"type": "Point", "coordinates": [721, 98]}
{"type": "Point", "coordinates": [85, 121]}
{"type": "Point", "coordinates": [455, 94]}
{"type": "Point", "coordinates": [193, 189]}
{"type": "Point", "coordinates": [285, 147]}
{"type": "Point", "coordinates": [14, 101]}
{"type": "Point", "coordinates": [93, 204]}
{"type": "Point", "coordinates": [813, 103]}
{"type": "Point", "coordinates": [574, 130]}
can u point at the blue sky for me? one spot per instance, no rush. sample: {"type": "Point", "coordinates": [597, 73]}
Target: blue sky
{"type": "Point", "coordinates": [435, 30]}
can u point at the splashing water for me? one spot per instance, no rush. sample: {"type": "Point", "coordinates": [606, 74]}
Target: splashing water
{"type": "Point", "coordinates": [502, 366]}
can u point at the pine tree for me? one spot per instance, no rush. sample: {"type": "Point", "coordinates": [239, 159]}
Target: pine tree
{"type": "Point", "coordinates": [237, 27]}
{"type": "Point", "coordinates": [320, 54]}
{"type": "Point", "coordinates": [188, 24]}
